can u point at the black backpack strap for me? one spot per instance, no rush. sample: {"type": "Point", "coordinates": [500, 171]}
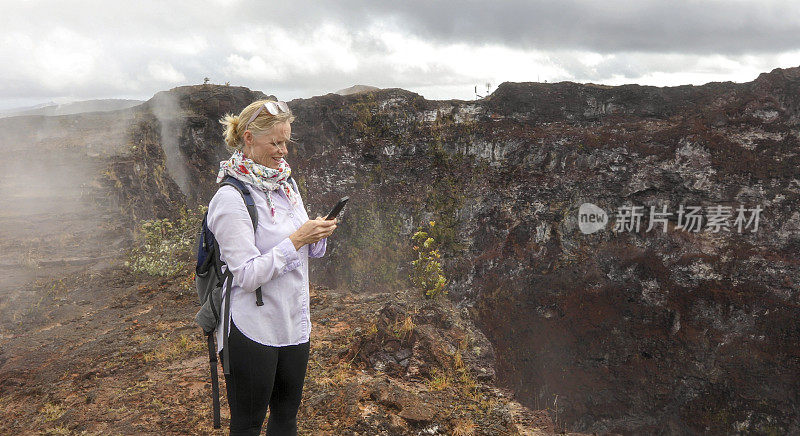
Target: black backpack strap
{"type": "Point", "coordinates": [259, 300]}
{"type": "Point", "coordinates": [212, 359]}
{"type": "Point", "coordinates": [204, 246]}
{"type": "Point", "coordinates": [251, 209]}
{"type": "Point", "coordinates": [226, 361]}
{"type": "Point", "coordinates": [246, 196]}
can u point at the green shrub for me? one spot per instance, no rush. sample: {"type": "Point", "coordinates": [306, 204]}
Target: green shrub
{"type": "Point", "coordinates": [427, 272]}
{"type": "Point", "coordinates": [163, 247]}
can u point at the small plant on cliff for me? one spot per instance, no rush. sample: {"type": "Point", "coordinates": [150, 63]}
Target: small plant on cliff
{"type": "Point", "coordinates": [427, 272]}
{"type": "Point", "coordinates": [164, 247]}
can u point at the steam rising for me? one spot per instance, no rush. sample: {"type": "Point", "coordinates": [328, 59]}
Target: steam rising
{"type": "Point", "coordinates": [166, 109]}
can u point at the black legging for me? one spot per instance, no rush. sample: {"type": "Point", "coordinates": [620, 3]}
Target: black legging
{"type": "Point", "coordinates": [263, 375]}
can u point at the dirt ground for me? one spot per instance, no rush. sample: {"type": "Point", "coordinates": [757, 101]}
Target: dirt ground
{"type": "Point", "coordinates": [111, 352]}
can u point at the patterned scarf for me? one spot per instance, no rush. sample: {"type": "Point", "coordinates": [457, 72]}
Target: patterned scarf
{"type": "Point", "coordinates": [260, 176]}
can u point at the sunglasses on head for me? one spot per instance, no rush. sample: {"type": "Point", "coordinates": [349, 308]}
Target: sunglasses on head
{"type": "Point", "coordinates": [273, 107]}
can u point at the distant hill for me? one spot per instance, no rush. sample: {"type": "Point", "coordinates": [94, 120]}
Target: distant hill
{"type": "Point", "coordinates": [355, 89]}
{"type": "Point", "coordinates": [75, 107]}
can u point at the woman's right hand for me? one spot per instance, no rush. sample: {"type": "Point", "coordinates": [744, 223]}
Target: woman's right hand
{"type": "Point", "coordinates": [312, 231]}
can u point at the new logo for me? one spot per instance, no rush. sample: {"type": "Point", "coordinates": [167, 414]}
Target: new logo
{"type": "Point", "coordinates": [591, 218]}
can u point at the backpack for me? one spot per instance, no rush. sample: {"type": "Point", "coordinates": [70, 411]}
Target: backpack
{"type": "Point", "coordinates": [209, 280]}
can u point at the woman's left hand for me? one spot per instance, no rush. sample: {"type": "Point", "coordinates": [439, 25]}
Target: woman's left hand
{"type": "Point", "coordinates": [312, 231]}
{"type": "Point", "coordinates": [332, 228]}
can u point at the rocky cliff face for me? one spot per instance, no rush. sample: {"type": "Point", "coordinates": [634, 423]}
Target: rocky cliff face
{"type": "Point", "coordinates": [632, 331]}
{"type": "Point", "coordinates": [646, 331]}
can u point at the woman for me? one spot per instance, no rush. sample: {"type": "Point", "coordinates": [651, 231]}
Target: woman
{"type": "Point", "coordinates": [268, 344]}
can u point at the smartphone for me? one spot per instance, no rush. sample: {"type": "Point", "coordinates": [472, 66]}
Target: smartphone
{"type": "Point", "coordinates": [338, 208]}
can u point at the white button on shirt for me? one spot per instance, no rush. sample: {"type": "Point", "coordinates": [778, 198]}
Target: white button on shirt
{"type": "Point", "coordinates": [267, 259]}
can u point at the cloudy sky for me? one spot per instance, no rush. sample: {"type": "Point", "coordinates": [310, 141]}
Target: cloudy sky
{"type": "Point", "coordinates": [76, 50]}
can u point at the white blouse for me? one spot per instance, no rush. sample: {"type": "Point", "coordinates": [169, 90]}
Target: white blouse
{"type": "Point", "coordinates": [267, 259]}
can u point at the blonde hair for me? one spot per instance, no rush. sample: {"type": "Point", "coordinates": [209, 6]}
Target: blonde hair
{"type": "Point", "coordinates": [235, 128]}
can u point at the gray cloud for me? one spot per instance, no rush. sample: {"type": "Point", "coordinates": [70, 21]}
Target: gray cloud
{"type": "Point", "coordinates": [691, 27]}
{"type": "Point", "coordinates": [612, 26]}
{"type": "Point", "coordinates": [93, 49]}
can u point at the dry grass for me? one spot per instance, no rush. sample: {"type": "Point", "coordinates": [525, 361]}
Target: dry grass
{"type": "Point", "coordinates": [458, 361]}
{"type": "Point", "coordinates": [402, 329]}
{"type": "Point", "coordinates": [487, 404]}
{"type": "Point", "coordinates": [440, 380]}
{"type": "Point", "coordinates": [170, 349]}
{"type": "Point", "coordinates": [159, 406]}
{"type": "Point", "coordinates": [464, 427]}
{"type": "Point", "coordinates": [52, 411]}
{"type": "Point", "coordinates": [30, 257]}
{"type": "Point", "coordinates": [58, 431]}
{"type": "Point", "coordinates": [328, 376]}
{"type": "Point", "coordinates": [138, 387]}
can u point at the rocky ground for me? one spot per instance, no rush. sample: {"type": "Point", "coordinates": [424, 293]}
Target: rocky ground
{"type": "Point", "coordinates": [111, 352]}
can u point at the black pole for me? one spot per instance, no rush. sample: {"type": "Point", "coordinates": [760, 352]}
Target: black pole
{"type": "Point", "coordinates": [212, 359]}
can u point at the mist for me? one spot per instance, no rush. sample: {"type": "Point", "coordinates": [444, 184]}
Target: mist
{"type": "Point", "coordinates": [166, 109]}
{"type": "Point", "coordinates": [55, 218]}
